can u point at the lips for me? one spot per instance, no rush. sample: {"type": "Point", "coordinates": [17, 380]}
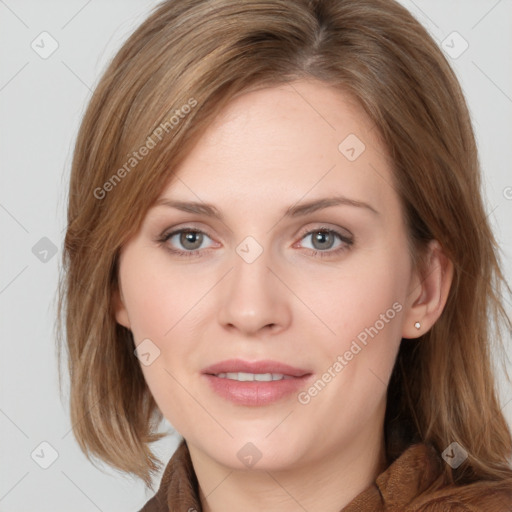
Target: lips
{"type": "Point", "coordinates": [261, 367]}
{"type": "Point", "coordinates": [231, 381]}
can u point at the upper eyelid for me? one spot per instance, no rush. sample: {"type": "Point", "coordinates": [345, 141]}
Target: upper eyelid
{"type": "Point", "coordinates": [191, 227]}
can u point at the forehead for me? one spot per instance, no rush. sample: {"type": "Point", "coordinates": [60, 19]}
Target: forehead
{"type": "Point", "coordinates": [279, 144]}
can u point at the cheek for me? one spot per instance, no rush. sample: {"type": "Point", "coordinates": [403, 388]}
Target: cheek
{"type": "Point", "coordinates": [366, 294]}
{"type": "Point", "coordinates": [364, 309]}
{"type": "Point", "coordinates": [162, 303]}
{"type": "Point", "coordinates": [157, 295]}
{"type": "Point", "coordinates": [157, 303]}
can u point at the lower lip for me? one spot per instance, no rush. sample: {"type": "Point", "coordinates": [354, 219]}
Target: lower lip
{"type": "Point", "coordinates": [255, 392]}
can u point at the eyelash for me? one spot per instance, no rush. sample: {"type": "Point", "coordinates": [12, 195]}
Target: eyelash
{"type": "Point", "coordinates": [348, 242]}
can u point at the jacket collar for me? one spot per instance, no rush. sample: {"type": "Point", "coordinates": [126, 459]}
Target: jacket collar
{"type": "Point", "coordinates": [411, 474]}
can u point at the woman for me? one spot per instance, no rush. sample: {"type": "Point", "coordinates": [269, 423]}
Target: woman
{"type": "Point", "coordinates": [276, 240]}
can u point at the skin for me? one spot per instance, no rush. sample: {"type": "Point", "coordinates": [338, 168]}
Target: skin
{"type": "Point", "coordinates": [269, 150]}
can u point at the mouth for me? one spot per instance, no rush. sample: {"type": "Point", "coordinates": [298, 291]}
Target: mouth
{"type": "Point", "coordinates": [231, 367]}
{"type": "Point", "coordinates": [250, 377]}
{"type": "Point", "coordinates": [255, 383]}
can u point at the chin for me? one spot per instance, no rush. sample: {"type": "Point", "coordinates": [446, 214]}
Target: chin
{"type": "Point", "coordinates": [252, 452]}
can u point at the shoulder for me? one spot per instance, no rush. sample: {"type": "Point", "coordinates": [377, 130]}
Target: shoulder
{"type": "Point", "coordinates": [477, 497]}
{"type": "Point", "coordinates": [178, 487]}
{"type": "Point", "coordinates": [414, 483]}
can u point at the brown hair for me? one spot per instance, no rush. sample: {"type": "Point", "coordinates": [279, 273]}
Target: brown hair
{"type": "Point", "coordinates": [203, 54]}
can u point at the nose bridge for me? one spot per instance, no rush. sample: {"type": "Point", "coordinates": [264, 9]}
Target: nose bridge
{"type": "Point", "coordinates": [253, 297]}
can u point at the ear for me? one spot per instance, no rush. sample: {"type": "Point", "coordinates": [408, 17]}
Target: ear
{"type": "Point", "coordinates": [428, 292]}
{"type": "Point", "coordinates": [120, 310]}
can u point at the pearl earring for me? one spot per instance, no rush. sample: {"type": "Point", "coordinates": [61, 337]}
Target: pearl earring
{"type": "Point", "coordinates": [417, 325]}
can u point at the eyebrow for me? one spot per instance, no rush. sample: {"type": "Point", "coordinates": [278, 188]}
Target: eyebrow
{"type": "Point", "coordinates": [297, 210]}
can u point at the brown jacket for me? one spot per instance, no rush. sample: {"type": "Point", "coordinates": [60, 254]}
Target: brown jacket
{"type": "Point", "coordinates": [402, 487]}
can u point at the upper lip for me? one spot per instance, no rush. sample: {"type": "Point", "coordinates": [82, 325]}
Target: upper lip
{"type": "Point", "coordinates": [266, 366]}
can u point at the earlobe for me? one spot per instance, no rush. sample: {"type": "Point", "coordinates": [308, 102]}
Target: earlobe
{"type": "Point", "coordinates": [120, 312]}
{"type": "Point", "coordinates": [429, 293]}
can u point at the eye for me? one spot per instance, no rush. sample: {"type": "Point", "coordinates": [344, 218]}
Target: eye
{"type": "Point", "coordinates": [189, 241]}
{"type": "Point", "coordinates": [324, 239]}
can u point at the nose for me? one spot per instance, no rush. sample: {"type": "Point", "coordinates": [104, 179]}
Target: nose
{"type": "Point", "coordinates": [254, 299]}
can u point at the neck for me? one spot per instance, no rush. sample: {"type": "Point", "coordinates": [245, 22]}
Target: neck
{"type": "Point", "coordinates": [327, 483]}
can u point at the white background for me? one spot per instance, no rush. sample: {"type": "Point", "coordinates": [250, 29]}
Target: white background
{"type": "Point", "coordinates": [41, 104]}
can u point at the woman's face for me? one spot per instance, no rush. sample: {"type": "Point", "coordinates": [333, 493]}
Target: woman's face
{"type": "Point", "coordinates": [296, 264]}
